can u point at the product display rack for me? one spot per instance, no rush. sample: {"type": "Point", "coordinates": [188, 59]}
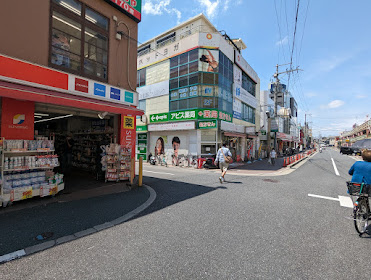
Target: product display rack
{"type": "Point", "coordinates": [117, 163]}
{"type": "Point", "coordinates": [33, 180]}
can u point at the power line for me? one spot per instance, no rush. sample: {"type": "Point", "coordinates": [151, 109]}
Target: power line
{"type": "Point", "coordinates": [302, 35]}
{"type": "Point", "coordinates": [293, 41]}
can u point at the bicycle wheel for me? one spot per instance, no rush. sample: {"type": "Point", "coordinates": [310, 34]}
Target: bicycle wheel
{"type": "Point", "coordinates": [361, 213]}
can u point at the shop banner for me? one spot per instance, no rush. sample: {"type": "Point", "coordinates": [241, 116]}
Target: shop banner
{"type": "Point", "coordinates": [237, 75]}
{"type": "Point", "coordinates": [162, 117]}
{"type": "Point", "coordinates": [250, 130]}
{"type": "Point", "coordinates": [186, 115]}
{"type": "Point", "coordinates": [171, 126]}
{"type": "Point", "coordinates": [132, 8]}
{"type": "Point", "coordinates": [155, 90]}
{"type": "Point", "coordinates": [208, 60]}
{"type": "Point", "coordinates": [207, 124]}
{"type": "Point", "coordinates": [17, 119]}
{"type": "Point", "coordinates": [237, 109]}
{"type": "Point", "coordinates": [215, 40]}
{"type": "Point", "coordinates": [128, 133]}
{"type": "Point", "coordinates": [244, 96]}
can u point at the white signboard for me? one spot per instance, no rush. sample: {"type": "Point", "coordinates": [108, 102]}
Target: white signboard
{"type": "Point", "coordinates": [237, 108]}
{"type": "Point", "coordinates": [240, 61]}
{"type": "Point", "coordinates": [155, 90]}
{"type": "Point", "coordinates": [237, 75]}
{"type": "Point", "coordinates": [158, 72]}
{"type": "Point", "coordinates": [250, 130]}
{"type": "Point", "coordinates": [244, 96]}
{"type": "Point", "coordinates": [171, 126]}
{"type": "Point", "coordinates": [227, 126]}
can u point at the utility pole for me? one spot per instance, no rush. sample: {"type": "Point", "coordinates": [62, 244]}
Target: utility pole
{"type": "Point", "coordinates": [277, 89]}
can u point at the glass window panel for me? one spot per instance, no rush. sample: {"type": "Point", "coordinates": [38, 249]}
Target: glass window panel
{"type": "Point", "coordinates": [193, 55]}
{"type": "Point", "coordinates": [208, 136]}
{"type": "Point", "coordinates": [142, 105]}
{"type": "Point", "coordinates": [143, 75]}
{"type": "Point", "coordinates": [208, 78]}
{"type": "Point", "coordinates": [194, 79]}
{"type": "Point", "coordinates": [174, 105]}
{"type": "Point", "coordinates": [174, 83]}
{"type": "Point", "coordinates": [183, 81]}
{"type": "Point", "coordinates": [70, 5]}
{"type": "Point", "coordinates": [95, 53]}
{"type": "Point", "coordinates": [174, 95]}
{"type": "Point", "coordinates": [174, 61]}
{"type": "Point", "coordinates": [64, 41]}
{"type": "Point", "coordinates": [173, 72]}
{"type": "Point", "coordinates": [216, 79]}
{"type": "Point", "coordinates": [207, 102]}
{"type": "Point", "coordinates": [68, 26]}
{"type": "Point", "coordinates": [96, 18]}
{"type": "Point", "coordinates": [193, 102]}
{"type": "Point", "coordinates": [183, 104]}
{"type": "Point", "coordinates": [183, 70]}
{"type": "Point", "coordinates": [183, 58]}
{"type": "Point", "coordinates": [96, 39]}
{"type": "Point", "coordinates": [94, 68]}
{"type": "Point", "coordinates": [193, 67]}
{"type": "Point", "coordinates": [66, 59]}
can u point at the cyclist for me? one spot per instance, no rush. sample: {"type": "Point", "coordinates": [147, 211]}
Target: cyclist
{"type": "Point", "coordinates": [361, 170]}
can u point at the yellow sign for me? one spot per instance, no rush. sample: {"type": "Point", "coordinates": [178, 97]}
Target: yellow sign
{"type": "Point", "coordinates": [53, 190]}
{"type": "Point", "coordinates": [27, 194]}
{"type": "Point", "coordinates": [129, 122]}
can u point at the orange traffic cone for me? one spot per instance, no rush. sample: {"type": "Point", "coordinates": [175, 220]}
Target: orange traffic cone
{"type": "Point", "coordinates": [284, 162]}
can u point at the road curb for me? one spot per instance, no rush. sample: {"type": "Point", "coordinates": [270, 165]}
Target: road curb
{"type": "Point", "coordinates": [49, 244]}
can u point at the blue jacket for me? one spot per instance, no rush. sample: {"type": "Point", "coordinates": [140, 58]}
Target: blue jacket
{"type": "Point", "coordinates": [361, 171]}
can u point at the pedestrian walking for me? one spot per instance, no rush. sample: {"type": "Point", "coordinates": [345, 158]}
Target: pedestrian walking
{"type": "Point", "coordinates": [273, 156]}
{"type": "Point", "coordinates": [223, 158]}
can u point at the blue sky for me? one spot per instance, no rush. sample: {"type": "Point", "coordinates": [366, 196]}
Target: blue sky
{"type": "Point", "coordinates": [332, 46]}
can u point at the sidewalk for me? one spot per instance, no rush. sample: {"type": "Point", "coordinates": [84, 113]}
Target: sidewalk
{"type": "Point", "coordinates": [37, 224]}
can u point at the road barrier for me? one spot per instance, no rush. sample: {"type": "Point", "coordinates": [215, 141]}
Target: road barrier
{"type": "Point", "coordinates": [291, 159]}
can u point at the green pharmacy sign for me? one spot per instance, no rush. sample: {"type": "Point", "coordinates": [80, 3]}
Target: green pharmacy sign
{"type": "Point", "coordinates": [208, 124]}
{"type": "Point", "coordinates": [162, 117]}
{"type": "Point", "coordinates": [183, 115]}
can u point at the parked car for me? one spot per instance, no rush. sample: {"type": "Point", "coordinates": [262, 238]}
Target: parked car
{"type": "Point", "coordinates": [346, 150]}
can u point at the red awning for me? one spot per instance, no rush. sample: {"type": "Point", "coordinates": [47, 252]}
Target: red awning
{"type": "Point", "coordinates": [29, 93]}
{"type": "Point", "coordinates": [234, 134]}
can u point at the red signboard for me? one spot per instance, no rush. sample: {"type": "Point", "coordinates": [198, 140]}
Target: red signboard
{"type": "Point", "coordinates": [132, 8]}
{"type": "Point", "coordinates": [20, 70]}
{"type": "Point", "coordinates": [81, 85]}
{"type": "Point", "coordinates": [17, 119]}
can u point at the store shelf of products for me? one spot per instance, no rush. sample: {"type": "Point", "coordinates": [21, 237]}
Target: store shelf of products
{"type": "Point", "coordinates": [27, 169]}
{"type": "Point", "coordinates": [116, 162]}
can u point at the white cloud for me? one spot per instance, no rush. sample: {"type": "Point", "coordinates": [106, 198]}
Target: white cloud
{"type": "Point", "coordinates": [284, 41]}
{"type": "Point", "coordinates": [212, 7]}
{"type": "Point", "coordinates": [335, 104]}
{"type": "Point", "coordinates": [159, 7]}
{"type": "Point", "coordinates": [361, 96]}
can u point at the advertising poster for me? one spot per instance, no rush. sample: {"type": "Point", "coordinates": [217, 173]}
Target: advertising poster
{"type": "Point", "coordinates": [171, 145]}
{"type": "Point", "coordinates": [208, 61]}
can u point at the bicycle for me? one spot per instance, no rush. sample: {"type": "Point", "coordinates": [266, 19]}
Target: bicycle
{"type": "Point", "coordinates": [361, 209]}
{"type": "Point", "coordinates": [192, 161]}
{"type": "Point", "coordinates": [161, 159]}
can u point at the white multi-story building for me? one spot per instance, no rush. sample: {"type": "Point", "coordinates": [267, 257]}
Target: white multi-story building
{"type": "Point", "coordinates": [197, 90]}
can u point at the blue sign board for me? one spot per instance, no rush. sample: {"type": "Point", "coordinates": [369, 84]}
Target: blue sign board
{"type": "Point", "coordinates": [99, 90]}
{"type": "Point", "coordinates": [115, 93]}
{"type": "Point", "coordinates": [129, 97]}
{"type": "Point", "coordinates": [237, 115]}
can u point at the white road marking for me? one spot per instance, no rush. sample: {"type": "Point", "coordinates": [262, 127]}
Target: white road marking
{"type": "Point", "coordinates": [335, 168]}
{"type": "Point", "coordinates": [324, 197]}
{"type": "Point", "coordinates": [346, 201]}
{"type": "Point", "coordinates": [158, 172]}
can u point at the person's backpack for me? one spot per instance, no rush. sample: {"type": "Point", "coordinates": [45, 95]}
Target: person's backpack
{"type": "Point", "coordinates": [227, 159]}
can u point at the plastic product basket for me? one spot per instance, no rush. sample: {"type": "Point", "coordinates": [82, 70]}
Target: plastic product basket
{"type": "Point", "coordinates": [357, 188]}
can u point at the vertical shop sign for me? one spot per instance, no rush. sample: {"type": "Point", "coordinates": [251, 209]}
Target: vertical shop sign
{"type": "Point", "coordinates": [128, 135]}
{"type": "Point", "coordinates": [115, 93]}
{"type": "Point", "coordinates": [81, 85]}
{"type": "Point", "coordinates": [17, 119]}
{"type": "Point", "coordinates": [99, 90]}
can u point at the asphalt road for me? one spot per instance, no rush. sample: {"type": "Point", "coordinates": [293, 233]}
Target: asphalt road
{"type": "Point", "coordinates": [247, 228]}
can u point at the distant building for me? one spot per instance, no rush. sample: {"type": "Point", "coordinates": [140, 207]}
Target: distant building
{"type": "Point", "coordinates": [197, 90]}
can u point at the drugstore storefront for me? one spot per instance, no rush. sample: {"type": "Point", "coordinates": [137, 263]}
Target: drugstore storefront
{"type": "Point", "coordinates": [61, 131]}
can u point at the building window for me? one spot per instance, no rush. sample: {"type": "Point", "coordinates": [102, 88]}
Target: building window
{"type": "Point", "coordinates": [141, 77]}
{"type": "Point", "coordinates": [142, 105]}
{"type": "Point", "coordinates": [79, 39]}
{"type": "Point", "coordinates": [248, 113]}
{"type": "Point", "coordinates": [248, 84]}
